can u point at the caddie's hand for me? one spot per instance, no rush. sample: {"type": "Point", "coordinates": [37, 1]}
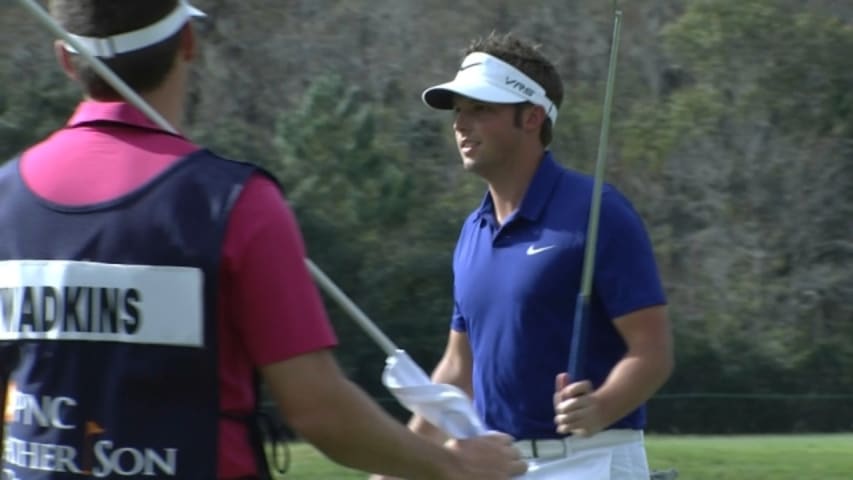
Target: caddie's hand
{"type": "Point", "coordinates": [489, 457]}
{"type": "Point", "coordinates": [577, 409]}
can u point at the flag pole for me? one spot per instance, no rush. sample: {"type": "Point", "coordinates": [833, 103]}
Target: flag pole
{"type": "Point", "coordinates": [577, 354]}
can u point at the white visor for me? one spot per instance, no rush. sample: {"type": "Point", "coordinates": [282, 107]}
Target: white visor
{"type": "Point", "coordinates": [108, 47]}
{"type": "Point", "coordinates": [489, 79]}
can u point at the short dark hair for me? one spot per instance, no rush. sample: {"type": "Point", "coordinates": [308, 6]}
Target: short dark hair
{"type": "Point", "coordinates": [143, 70]}
{"type": "Point", "coordinates": [527, 58]}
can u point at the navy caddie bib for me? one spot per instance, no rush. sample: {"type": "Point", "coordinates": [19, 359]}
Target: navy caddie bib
{"type": "Point", "coordinates": [110, 313]}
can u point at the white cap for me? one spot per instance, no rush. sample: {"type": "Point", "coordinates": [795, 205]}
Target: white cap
{"type": "Point", "coordinates": [487, 78]}
{"type": "Point", "coordinates": [108, 47]}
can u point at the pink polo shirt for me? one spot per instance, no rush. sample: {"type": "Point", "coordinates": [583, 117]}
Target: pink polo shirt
{"type": "Point", "coordinates": [269, 308]}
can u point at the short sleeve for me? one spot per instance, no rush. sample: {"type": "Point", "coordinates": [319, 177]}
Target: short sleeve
{"type": "Point", "coordinates": [626, 275]}
{"type": "Point", "coordinates": [273, 303]}
{"type": "Point", "coordinates": [457, 321]}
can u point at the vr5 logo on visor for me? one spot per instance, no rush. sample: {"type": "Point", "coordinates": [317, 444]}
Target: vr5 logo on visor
{"type": "Point", "coordinates": [527, 91]}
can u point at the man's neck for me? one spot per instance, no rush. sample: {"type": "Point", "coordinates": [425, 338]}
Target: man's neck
{"type": "Point", "coordinates": [169, 107]}
{"type": "Point", "coordinates": [508, 188]}
{"type": "Point", "coordinates": [168, 99]}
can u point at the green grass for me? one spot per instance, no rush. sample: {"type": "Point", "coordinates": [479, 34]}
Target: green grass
{"type": "Point", "coordinates": [772, 457]}
{"type": "Point", "coordinates": [307, 463]}
{"type": "Point", "coordinates": [748, 457]}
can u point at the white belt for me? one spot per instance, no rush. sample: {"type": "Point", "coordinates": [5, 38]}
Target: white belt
{"type": "Point", "coordinates": [563, 447]}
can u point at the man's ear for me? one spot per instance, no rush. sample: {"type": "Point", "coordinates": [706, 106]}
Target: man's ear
{"type": "Point", "coordinates": [63, 57]}
{"type": "Point", "coordinates": [534, 118]}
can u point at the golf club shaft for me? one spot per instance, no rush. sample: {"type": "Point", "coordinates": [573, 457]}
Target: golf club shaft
{"type": "Point", "coordinates": [131, 96]}
{"type": "Point", "coordinates": [352, 309]}
{"type": "Point", "coordinates": [577, 354]}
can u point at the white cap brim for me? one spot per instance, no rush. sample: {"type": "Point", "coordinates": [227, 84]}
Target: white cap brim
{"type": "Point", "coordinates": [441, 96]}
{"type": "Point", "coordinates": [193, 11]}
{"type": "Point", "coordinates": [486, 78]}
{"type": "Point", "coordinates": [158, 31]}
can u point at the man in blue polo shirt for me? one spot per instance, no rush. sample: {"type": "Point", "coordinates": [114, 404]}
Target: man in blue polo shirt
{"type": "Point", "coordinates": [517, 270]}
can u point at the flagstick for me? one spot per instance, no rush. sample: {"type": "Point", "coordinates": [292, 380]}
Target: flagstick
{"type": "Point", "coordinates": [577, 354]}
{"type": "Point", "coordinates": [356, 313]}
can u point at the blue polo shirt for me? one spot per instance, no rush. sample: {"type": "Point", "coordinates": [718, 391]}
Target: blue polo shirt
{"type": "Point", "coordinates": [515, 289]}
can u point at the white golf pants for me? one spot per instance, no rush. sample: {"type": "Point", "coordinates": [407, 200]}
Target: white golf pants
{"type": "Point", "coordinates": [608, 455]}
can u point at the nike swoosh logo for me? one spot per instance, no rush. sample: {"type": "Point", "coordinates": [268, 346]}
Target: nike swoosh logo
{"type": "Point", "coordinates": [531, 250]}
{"type": "Point", "coordinates": [465, 67]}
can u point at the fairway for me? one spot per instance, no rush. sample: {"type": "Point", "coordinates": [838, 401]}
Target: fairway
{"type": "Point", "coordinates": [743, 457]}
